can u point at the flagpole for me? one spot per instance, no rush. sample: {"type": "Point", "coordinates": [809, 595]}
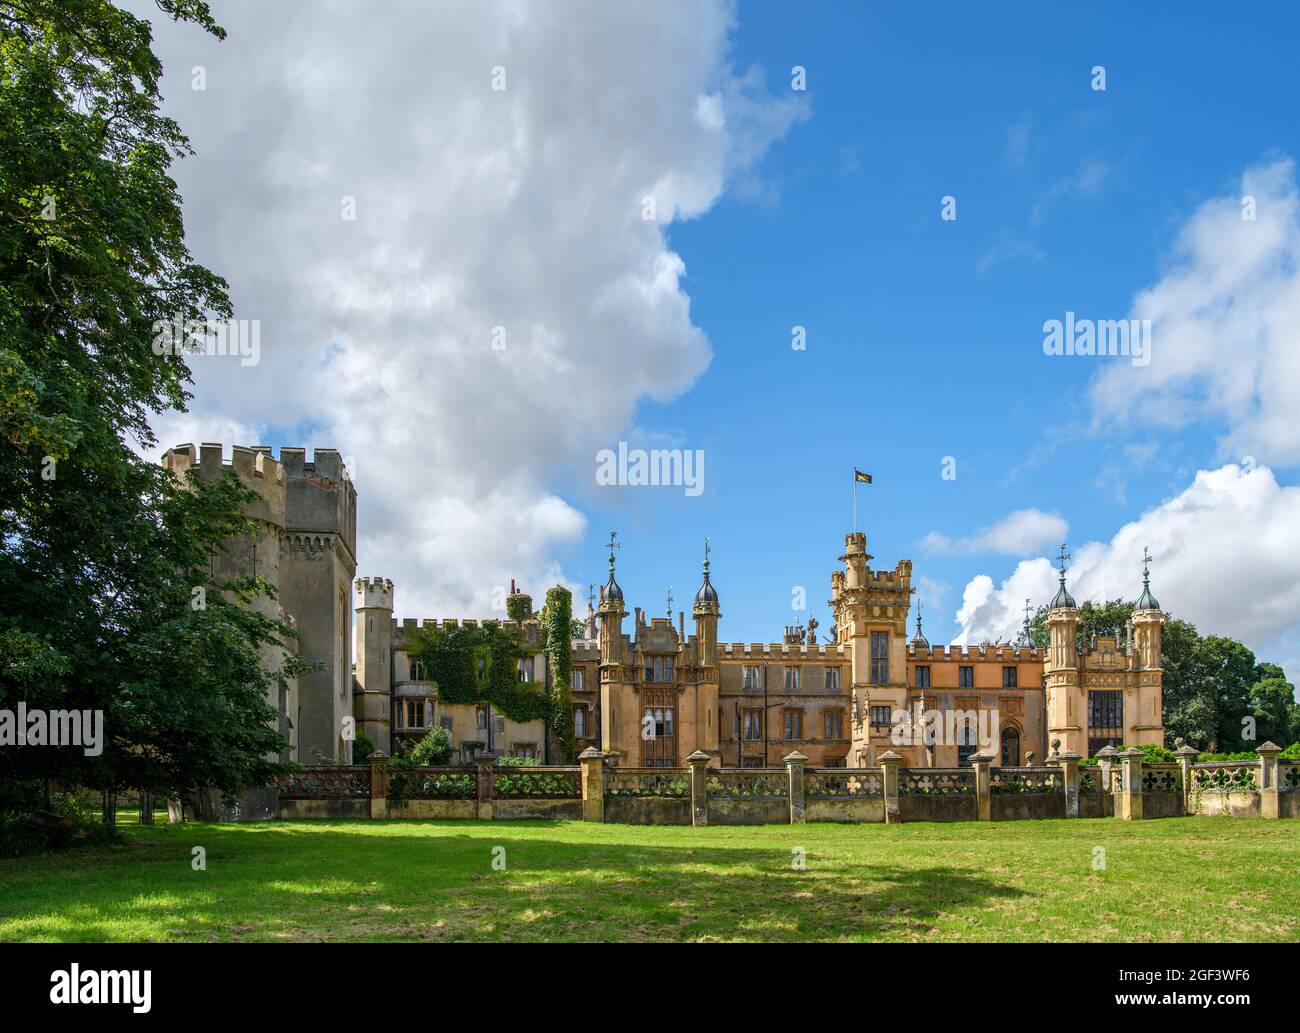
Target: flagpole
{"type": "Point", "coordinates": [855, 500]}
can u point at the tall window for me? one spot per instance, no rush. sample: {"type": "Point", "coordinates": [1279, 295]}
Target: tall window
{"type": "Point", "coordinates": [525, 668]}
{"type": "Point", "coordinates": [1105, 719]}
{"type": "Point", "coordinates": [575, 679]}
{"type": "Point", "coordinates": [1008, 677]}
{"type": "Point", "coordinates": [880, 658]}
{"type": "Point", "coordinates": [923, 677]}
{"type": "Point", "coordinates": [753, 724]}
{"type": "Point", "coordinates": [1010, 747]}
{"type": "Point", "coordinates": [791, 680]}
{"type": "Point", "coordinates": [480, 718]}
{"type": "Point", "coordinates": [416, 713]}
{"type": "Point", "coordinates": [658, 727]}
{"type": "Point", "coordinates": [580, 722]}
{"type": "Point", "coordinates": [417, 670]}
{"type": "Point", "coordinates": [833, 724]}
{"type": "Point", "coordinates": [965, 677]}
{"type": "Point", "coordinates": [832, 680]}
{"type": "Point", "coordinates": [794, 724]}
{"type": "Point", "coordinates": [749, 674]}
{"type": "Point", "coordinates": [659, 668]}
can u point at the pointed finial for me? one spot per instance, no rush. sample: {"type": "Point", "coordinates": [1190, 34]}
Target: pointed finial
{"type": "Point", "coordinates": [918, 616]}
{"type": "Point", "coordinates": [1065, 556]}
{"type": "Point", "coordinates": [670, 604]}
{"type": "Point", "coordinates": [707, 550]}
{"type": "Point", "coordinates": [1146, 565]}
{"type": "Point", "coordinates": [613, 544]}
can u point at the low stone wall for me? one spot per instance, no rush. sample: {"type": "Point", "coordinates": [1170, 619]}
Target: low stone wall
{"type": "Point", "coordinates": [857, 811]}
{"type": "Point", "coordinates": [649, 810]}
{"type": "Point", "coordinates": [769, 811]}
{"type": "Point", "coordinates": [1121, 785]}
{"type": "Point", "coordinates": [936, 807]}
{"type": "Point", "coordinates": [1159, 803]}
{"type": "Point", "coordinates": [324, 809]}
{"type": "Point", "coordinates": [1235, 803]}
{"type": "Point", "coordinates": [1026, 806]}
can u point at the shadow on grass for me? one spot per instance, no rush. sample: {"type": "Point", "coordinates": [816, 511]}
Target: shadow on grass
{"type": "Point", "coordinates": [291, 881]}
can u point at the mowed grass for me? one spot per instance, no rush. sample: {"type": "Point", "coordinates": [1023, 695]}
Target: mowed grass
{"type": "Point", "coordinates": [1174, 879]}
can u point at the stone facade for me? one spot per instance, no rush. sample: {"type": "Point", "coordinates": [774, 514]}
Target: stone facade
{"type": "Point", "coordinates": [651, 695]}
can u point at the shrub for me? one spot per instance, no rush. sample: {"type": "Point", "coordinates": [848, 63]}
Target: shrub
{"type": "Point", "coordinates": [434, 748]}
{"type": "Point", "coordinates": [517, 762]}
{"type": "Point", "coordinates": [362, 747]}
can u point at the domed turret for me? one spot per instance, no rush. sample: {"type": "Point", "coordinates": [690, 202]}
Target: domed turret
{"type": "Point", "coordinates": [1146, 601]}
{"type": "Point", "coordinates": [919, 640]}
{"type": "Point", "coordinates": [707, 596]}
{"type": "Point", "coordinates": [1063, 600]}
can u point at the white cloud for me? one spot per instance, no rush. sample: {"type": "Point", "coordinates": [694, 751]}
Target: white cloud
{"type": "Point", "coordinates": [1225, 558]}
{"type": "Point", "coordinates": [1019, 533]}
{"type": "Point", "coordinates": [1225, 321]}
{"type": "Point", "coordinates": [475, 209]}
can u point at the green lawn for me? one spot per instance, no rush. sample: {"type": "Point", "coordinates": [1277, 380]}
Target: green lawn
{"type": "Point", "coordinates": [1175, 879]}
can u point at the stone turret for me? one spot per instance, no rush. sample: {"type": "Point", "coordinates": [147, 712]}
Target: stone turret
{"type": "Point", "coordinates": [706, 612]}
{"type": "Point", "coordinates": [609, 619]}
{"type": "Point", "coordinates": [1067, 700]}
{"type": "Point", "coordinates": [372, 700]}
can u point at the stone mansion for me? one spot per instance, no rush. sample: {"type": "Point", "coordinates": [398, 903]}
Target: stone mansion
{"type": "Point", "coordinates": [648, 694]}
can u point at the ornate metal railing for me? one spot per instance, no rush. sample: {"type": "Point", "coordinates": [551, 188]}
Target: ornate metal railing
{"type": "Point", "coordinates": [345, 783]}
{"type": "Point", "coordinates": [1224, 776]}
{"type": "Point", "coordinates": [843, 783]}
{"type": "Point", "coordinates": [1162, 778]}
{"type": "Point", "coordinates": [936, 781]}
{"type": "Point", "coordinates": [749, 783]}
{"type": "Point", "coordinates": [1008, 781]}
{"type": "Point", "coordinates": [533, 783]}
{"type": "Point", "coordinates": [668, 782]}
{"type": "Point", "coordinates": [432, 783]}
{"type": "Point", "coordinates": [1288, 775]}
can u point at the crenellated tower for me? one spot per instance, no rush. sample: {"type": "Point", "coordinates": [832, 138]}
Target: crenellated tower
{"type": "Point", "coordinates": [870, 609]}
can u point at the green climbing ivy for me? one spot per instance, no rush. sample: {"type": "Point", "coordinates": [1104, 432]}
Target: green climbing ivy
{"type": "Point", "coordinates": [557, 625]}
{"type": "Point", "coordinates": [479, 665]}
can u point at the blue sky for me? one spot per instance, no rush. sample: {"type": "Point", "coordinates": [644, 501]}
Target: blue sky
{"type": "Point", "coordinates": [520, 208]}
{"type": "Point", "coordinates": [920, 344]}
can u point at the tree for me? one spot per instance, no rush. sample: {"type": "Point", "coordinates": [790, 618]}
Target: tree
{"type": "Point", "coordinates": [101, 551]}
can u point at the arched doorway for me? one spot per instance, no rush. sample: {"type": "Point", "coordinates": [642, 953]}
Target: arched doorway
{"type": "Point", "coordinates": [1010, 747]}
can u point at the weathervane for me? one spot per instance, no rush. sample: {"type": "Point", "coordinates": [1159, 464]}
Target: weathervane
{"type": "Point", "coordinates": [1064, 557]}
{"type": "Point", "coordinates": [591, 595]}
{"type": "Point", "coordinates": [707, 550]}
{"type": "Point", "coordinates": [1146, 565]}
{"type": "Point", "coordinates": [670, 604]}
{"type": "Point", "coordinates": [613, 544]}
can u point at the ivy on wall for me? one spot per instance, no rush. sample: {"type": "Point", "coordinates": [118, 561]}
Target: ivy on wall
{"type": "Point", "coordinates": [479, 665]}
{"type": "Point", "coordinates": [557, 625]}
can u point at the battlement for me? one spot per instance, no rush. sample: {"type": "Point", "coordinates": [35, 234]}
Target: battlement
{"type": "Point", "coordinates": [374, 593]}
{"type": "Point", "coordinates": [779, 651]}
{"type": "Point", "coordinates": [973, 654]}
{"type": "Point", "coordinates": [256, 468]}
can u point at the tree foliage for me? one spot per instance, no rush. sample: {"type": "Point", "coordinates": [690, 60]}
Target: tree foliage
{"type": "Point", "coordinates": [100, 549]}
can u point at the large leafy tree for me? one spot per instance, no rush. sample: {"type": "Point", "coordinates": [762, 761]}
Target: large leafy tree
{"type": "Point", "coordinates": [101, 550]}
